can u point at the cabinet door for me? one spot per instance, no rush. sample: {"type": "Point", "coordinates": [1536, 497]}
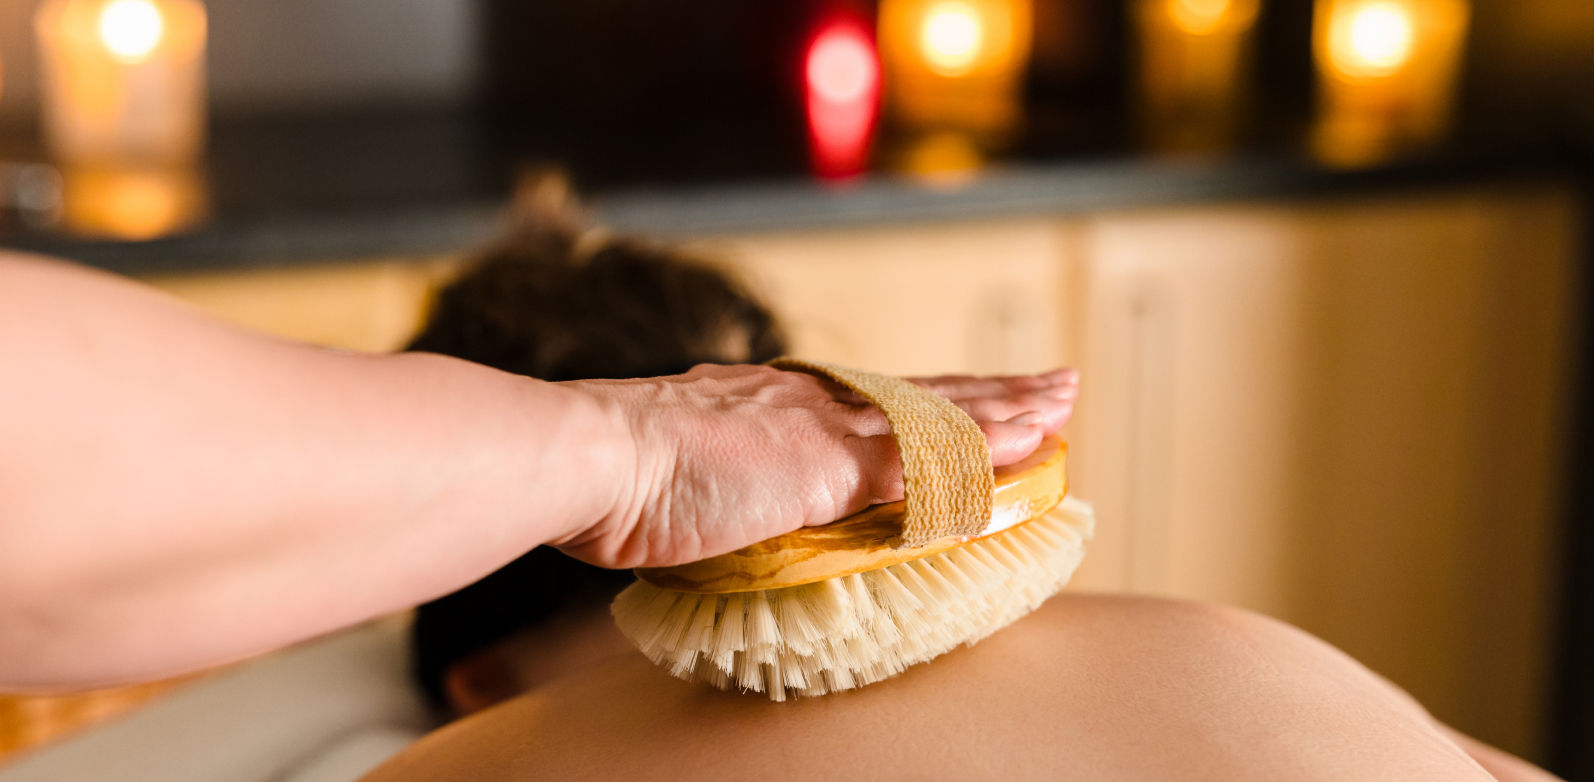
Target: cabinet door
{"type": "Point", "coordinates": [374, 304]}
{"type": "Point", "coordinates": [1346, 415]}
{"type": "Point", "coordinates": [984, 297]}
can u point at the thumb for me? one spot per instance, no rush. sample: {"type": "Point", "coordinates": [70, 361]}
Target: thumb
{"type": "Point", "coordinates": [1010, 441]}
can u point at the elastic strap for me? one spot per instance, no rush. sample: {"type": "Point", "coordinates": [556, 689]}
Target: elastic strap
{"type": "Point", "coordinates": [946, 465]}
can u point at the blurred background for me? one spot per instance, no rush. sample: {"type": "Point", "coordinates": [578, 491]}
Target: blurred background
{"type": "Point", "coordinates": [1322, 262]}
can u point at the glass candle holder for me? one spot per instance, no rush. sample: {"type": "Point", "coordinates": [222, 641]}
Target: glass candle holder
{"type": "Point", "coordinates": [955, 68]}
{"type": "Point", "coordinates": [841, 78]}
{"type": "Point", "coordinates": [123, 80]}
{"type": "Point", "coordinates": [1193, 62]}
{"type": "Point", "coordinates": [1387, 75]}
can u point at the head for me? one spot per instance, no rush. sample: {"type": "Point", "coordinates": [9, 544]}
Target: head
{"type": "Point", "coordinates": [557, 302]}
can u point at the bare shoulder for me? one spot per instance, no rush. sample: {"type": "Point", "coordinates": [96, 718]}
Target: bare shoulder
{"type": "Point", "coordinates": [1090, 687]}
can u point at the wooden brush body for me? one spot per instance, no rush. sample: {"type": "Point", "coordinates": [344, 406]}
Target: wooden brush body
{"type": "Point", "coordinates": [836, 607]}
{"type": "Point", "coordinates": [868, 540]}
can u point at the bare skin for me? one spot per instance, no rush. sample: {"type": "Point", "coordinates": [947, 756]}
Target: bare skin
{"type": "Point", "coordinates": [176, 493]}
{"type": "Point", "coordinates": [1088, 687]}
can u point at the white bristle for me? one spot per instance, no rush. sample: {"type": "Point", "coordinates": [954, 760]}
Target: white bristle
{"type": "Point", "coordinates": [673, 623]}
{"type": "Point", "coordinates": [890, 594]}
{"type": "Point", "coordinates": [774, 684]}
{"type": "Point", "coordinates": [700, 631]}
{"type": "Point", "coordinates": [946, 596]}
{"type": "Point", "coordinates": [997, 572]}
{"type": "Point", "coordinates": [797, 626]}
{"type": "Point", "coordinates": [971, 566]}
{"type": "Point", "coordinates": [749, 676]}
{"type": "Point", "coordinates": [682, 663]}
{"type": "Point", "coordinates": [833, 610]}
{"type": "Point", "coordinates": [839, 678]}
{"type": "Point", "coordinates": [910, 578]}
{"type": "Point", "coordinates": [725, 662]}
{"type": "Point", "coordinates": [861, 628]}
{"type": "Point", "coordinates": [863, 606]}
{"type": "Point", "coordinates": [762, 630]}
{"type": "Point", "coordinates": [1004, 558]}
{"type": "Point", "coordinates": [728, 636]}
{"type": "Point", "coordinates": [960, 581]}
{"type": "Point", "coordinates": [791, 671]}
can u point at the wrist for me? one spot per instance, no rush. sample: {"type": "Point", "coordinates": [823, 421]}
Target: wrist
{"type": "Point", "coordinates": [604, 453]}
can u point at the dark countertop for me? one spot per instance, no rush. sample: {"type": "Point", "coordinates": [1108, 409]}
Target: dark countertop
{"type": "Point", "coordinates": [318, 189]}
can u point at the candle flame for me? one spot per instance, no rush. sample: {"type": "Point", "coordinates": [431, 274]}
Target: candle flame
{"type": "Point", "coordinates": [1376, 40]}
{"type": "Point", "coordinates": [1199, 17]}
{"type": "Point", "coordinates": [951, 37]}
{"type": "Point", "coordinates": [131, 29]}
{"type": "Point", "coordinates": [841, 65]}
{"type": "Point", "coordinates": [843, 78]}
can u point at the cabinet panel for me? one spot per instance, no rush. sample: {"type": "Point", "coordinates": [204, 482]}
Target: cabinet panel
{"type": "Point", "coordinates": [375, 304]}
{"type": "Point", "coordinates": [1189, 415]}
{"type": "Point", "coordinates": [1342, 414]}
{"type": "Point", "coordinates": [1346, 415]}
{"type": "Point", "coordinates": [983, 297]}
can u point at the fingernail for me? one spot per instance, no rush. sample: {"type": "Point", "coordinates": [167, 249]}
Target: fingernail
{"type": "Point", "coordinates": [1026, 419]}
{"type": "Point", "coordinates": [1065, 375]}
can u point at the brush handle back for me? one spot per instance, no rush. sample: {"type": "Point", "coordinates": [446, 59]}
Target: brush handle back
{"type": "Point", "coordinates": [866, 540]}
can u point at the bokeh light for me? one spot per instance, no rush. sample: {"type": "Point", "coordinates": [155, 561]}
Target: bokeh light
{"type": "Point", "coordinates": [131, 29]}
{"type": "Point", "coordinates": [841, 66]}
{"type": "Point", "coordinates": [1387, 76]}
{"type": "Point", "coordinates": [1375, 40]}
{"type": "Point", "coordinates": [132, 203]}
{"type": "Point", "coordinates": [842, 74]}
{"type": "Point", "coordinates": [1199, 17]}
{"type": "Point", "coordinates": [951, 37]}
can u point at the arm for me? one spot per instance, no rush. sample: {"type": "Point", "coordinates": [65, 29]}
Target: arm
{"type": "Point", "coordinates": [176, 493]}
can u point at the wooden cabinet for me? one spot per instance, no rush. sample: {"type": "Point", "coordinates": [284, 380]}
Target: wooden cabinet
{"type": "Point", "coordinates": [370, 304]}
{"type": "Point", "coordinates": [982, 297]}
{"type": "Point", "coordinates": [1344, 413]}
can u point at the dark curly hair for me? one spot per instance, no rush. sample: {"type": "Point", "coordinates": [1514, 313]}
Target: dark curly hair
{"type": "Point", "coordinates": [556, 302]}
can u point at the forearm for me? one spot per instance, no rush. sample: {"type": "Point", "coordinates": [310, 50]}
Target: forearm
{"type": "Point", "coordinates": [175, 493]}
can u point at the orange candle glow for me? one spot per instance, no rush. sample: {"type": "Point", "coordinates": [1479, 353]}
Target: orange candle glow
{"type": "Point", "coordinates": [123, 80]}
{"type": "Point", "coordinates": [1387, 71]}
{"type": "Point", "coordinates": [132, 202]}
{"type": "Point", "coordinates": [1192, 74]}
{"type": "Point", "coordinates": [955, 68]}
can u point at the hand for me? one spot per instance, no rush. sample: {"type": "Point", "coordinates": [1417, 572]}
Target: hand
{"type": "Point", "coordinates": [725, 456]}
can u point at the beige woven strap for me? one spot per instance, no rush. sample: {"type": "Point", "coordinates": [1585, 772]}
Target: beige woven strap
{"type": "Point", "coordinates": [946, 465]}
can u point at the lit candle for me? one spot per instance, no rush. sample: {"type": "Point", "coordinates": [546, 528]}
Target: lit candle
{"type": "Point", "coordinates": [1387, 71]}
{"type": "Point", "coordinates": [123, 80]}
{"type": "Point", "coordinates": [954, 69]}
{"type": "Point", "coordinates": [1192, 74]}
{"type": "Point", "coordinates": [842, 78]}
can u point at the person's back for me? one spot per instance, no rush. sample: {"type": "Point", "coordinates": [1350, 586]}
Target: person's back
{"type": "Point", "coordinates": [1088, 687]}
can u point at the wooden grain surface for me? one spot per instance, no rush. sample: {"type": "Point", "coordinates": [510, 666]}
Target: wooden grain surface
{"type": "Point", "coordinates": [865, 541]}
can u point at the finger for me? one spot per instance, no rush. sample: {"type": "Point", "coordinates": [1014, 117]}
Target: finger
{"type": "Point", "coordinates": [956, 387]}
{"type": "Point", "coordinates": [1051, 415]}
{"type": "Point", "coordinates": [1011, 441]}
{"type": "Point", "coordinates": [837, 391]}
{"type": "Point", "coordinates": [971, 389]}
{"type": "Point", "coordinates": [882, 466]}
{"type": "Point", "coordinates": [1001, 408]}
